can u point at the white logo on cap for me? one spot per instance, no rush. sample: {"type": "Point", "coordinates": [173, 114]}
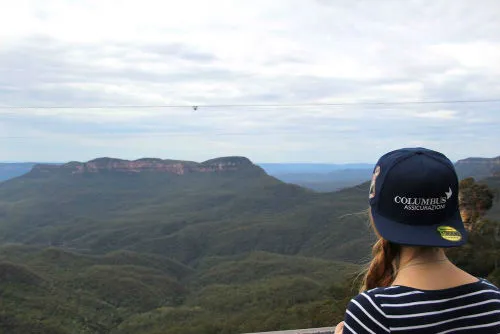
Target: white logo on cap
{"type": "Point", "coordinates": [424, 204]}
{"type": "Point", "coordinates": [448, 193]}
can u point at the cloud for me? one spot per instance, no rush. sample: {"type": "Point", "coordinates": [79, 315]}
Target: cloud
{"type": "Point", "coordinates": [114, 53]}
{"type": "Point", "coordinates": [438, 114]}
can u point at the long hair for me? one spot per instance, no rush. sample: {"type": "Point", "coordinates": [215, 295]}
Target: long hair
{"type": "Point", "coordinates": [384, 264]}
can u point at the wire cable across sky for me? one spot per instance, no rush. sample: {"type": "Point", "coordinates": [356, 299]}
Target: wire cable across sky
{"type": "Point", "coordinates": [200, 107]}
{"type": "Point", "coordinates": [284, 105]}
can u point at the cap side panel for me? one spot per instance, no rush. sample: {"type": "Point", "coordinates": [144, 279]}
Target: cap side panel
{"type": "Point", "coordinates": [396, 161]}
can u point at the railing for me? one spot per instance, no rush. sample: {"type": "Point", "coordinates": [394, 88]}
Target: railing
{"type": "Point", "coordinates": [324, 330]}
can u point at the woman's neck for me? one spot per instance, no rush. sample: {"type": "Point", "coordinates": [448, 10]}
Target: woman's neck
{"type": "Point", "coordinates": [419, 254]}
{"type": "Point", "coordinates": [429, 269]}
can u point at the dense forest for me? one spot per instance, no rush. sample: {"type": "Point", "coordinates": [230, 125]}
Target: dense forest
{"type": "Point", "coordinates": [214, 253]}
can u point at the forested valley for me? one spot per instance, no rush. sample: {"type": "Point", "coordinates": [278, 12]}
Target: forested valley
{"type": "Point", "coordinates": [229, 250]}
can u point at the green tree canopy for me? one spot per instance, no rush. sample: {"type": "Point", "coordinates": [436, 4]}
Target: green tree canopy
{"type": "Point", "coordinates": [474, 200]}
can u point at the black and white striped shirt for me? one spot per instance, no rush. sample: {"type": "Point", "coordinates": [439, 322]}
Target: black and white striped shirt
{"type": "Point", "coordinates": [469, 308]}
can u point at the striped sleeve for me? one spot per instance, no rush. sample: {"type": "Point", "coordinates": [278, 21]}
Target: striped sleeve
{"type": "Point", "coordinates": [363, 315]}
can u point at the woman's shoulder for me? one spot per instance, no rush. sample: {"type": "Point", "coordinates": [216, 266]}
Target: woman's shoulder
{"type": "Point", "coordinates": [398, 292]}
{"type": "Point", "coordinates": [383, 309]}
{"type": "Point", "coordinates": [488, 284]}
{"type": "Point", "coordinates": [390, 291]}
{"type": "Point", "coordinates": [369, 301]}
{"type": "Point", "coordinates": [365, 313]}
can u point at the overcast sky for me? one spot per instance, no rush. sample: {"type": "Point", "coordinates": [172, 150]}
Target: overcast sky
{"type": "Point", "coordinates": [149, 53]}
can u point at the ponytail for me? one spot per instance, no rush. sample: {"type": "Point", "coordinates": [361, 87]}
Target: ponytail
{"type": "Point", "coordinates": [381, 270]}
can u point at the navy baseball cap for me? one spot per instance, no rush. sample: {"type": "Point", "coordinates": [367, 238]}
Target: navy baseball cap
{"type": "Point", "coordinates": [414, 199]}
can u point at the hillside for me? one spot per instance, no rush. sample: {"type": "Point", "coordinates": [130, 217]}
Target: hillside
{"type": "Point", "coordinates": [184, 216]}
{"type": "Point", "coordinates": [49, 290]}
{"type": "Point", "coordinates": [224, 206]}
{"type": "Point", "coordinates": [494, 184]}
{"type": "Point", "coordinates": [161, 246]}
{"type": "Point", "coordinates": [213, 247]}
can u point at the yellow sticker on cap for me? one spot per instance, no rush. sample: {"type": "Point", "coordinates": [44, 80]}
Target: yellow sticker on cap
{"type": "Point", "coordinates": [449, 233]}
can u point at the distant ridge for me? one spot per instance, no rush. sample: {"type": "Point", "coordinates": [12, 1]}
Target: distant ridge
{"type": "Point", "coordinates": [320, 177]}
{"type": "Point", "coordinates": [12, 170]}
{"type": "Point", "coordinates": [478, 168]}
{"type": "Point", "coordinates": [145, 165]}
{"type": "Point", "coordinates": [322, 168]}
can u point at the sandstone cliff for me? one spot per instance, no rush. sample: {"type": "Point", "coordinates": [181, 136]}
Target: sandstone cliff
{"type": "Point", "coordinates": [148, 165]}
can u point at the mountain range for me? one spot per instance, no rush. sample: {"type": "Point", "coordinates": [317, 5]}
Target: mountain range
{"type": "Point", "coordinates": [331, 177]}
{"type": "Point", "coordinates": [218, 207]}
{"type": "Point", "coordinates": [169, 246]}
{"type": "Point", "coordinates": [479, 168]}
{"type": "Point", "coordinates": [318, 177]}
{"type": "Point", "coordinates": [162, 246]}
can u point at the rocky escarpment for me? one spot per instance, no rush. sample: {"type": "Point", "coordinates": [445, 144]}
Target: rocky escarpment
{"type": "Point", "coordinates": [148, 165]}
{"type": "Point", "coordinates": [478, 168]}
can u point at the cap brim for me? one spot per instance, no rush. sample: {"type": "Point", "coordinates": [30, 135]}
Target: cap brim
{"type": "Point", "coordinates": [421, 235]}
